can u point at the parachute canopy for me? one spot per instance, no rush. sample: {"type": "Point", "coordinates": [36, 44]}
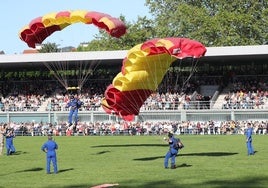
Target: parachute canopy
{"type": "Point", "coordinates": [42, 27]}
{"type": "Point", "coordinates": [143, 70]}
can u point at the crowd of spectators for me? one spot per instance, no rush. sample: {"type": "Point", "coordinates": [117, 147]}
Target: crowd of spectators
{"type": "Point", "coordinates": [139, 128]}
{"type": "Point", "coordinates": [39, 95]}
{"type": "Point", "coordinates": [247, 94]}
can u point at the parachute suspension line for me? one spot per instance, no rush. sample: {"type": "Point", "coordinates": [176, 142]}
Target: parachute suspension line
{"type": "Point", "coordinates": [86, 71]}
{"type": "Point", "coordinates": [161, 84]}
{"type": "Point", "coordinates": [176, 82]}
{"type": "Point", "coordinates": [179, 75]}
{"type": "Point", "coordinates": [62, 72]}
{"type": "Point", "coordinates": [159, 65]}
{"type": "Point", "coordinates": [80, 81]}
{"type": "Point", "coordinates": [149, 67]}
{"type": "Point", "coordinates": [131, 98]}
{"type": "Point", "coordinates": [186, 81]}
{"type": "Point", "coordinates": [152, 67]}
{"type": "Point", "coordinates": [55, 70]}
{"type": "Point", "coordinates": [168, 81]}
{"type": "Point", "coordinates": [61, 68]}
{"type": "Point", "coordinates": [153, 70]}
{"type": "Point", "coordinates": [145, 64]}
{"type": "Point", "coordinates": [81, 71]}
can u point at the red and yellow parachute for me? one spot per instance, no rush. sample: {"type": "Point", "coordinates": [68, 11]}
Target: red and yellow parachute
{"type": "Point", "coordinates": [143, 70]}
{"type": "Point", "coordinates": [42, 27]}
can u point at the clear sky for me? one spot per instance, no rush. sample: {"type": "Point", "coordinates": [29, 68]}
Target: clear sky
{"type": "Point", "coordinates": [15, 14]}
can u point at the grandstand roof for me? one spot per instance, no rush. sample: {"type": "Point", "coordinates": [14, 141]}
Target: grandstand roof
{"type": "Point", "coordinates": [229, 54]}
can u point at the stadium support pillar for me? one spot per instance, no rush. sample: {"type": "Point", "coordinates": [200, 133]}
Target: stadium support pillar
{"type": "Point", "coordinates": [92, 117]}
{"type": "Point", "coordinates": [232, 116]}
{"type": "Point", "coordinates": [49, 117]}
{"type": "Point", "coordinates": [183, 115]}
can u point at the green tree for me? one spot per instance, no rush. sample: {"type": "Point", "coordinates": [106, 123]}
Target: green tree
{"type": "Point", "coordinates": [49, 48]}
{"type": "Point", "coordinates": [212, 22]}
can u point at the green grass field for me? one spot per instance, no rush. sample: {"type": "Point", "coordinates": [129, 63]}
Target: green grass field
{"type": "Point", "coordinates": [137, 161]}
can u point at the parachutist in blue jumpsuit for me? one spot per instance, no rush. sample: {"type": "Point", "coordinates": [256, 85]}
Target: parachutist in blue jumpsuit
{"type": "Point", "coordinates": [74, 104]}
{"type": "Point", "coordinates": [249, 133]}
{"type": "Point", "coordinates": [174, 146]}
{"type": "Point", "coordinates": [50, 148]}
{"type": "Point", "coordinates": [10, 135]}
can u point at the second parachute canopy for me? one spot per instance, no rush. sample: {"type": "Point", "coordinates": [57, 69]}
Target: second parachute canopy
{"type": "Point", "coordinates": [143, 70]}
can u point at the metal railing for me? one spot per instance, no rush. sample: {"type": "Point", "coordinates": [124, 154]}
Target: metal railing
{"type": "Point", "coordinates": [145, 115]}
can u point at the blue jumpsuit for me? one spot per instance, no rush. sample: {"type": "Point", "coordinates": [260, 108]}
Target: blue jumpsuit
{"type": "Point", "coordinates": [50, 148]}
{"type": "Point", "coordinates": [172, 152]}
{"type": "Point", "coordinates": [9, 142]}
{"type": "Point", "coordinates": [249, 133]}
{"type": "Point", "coordinates": [75, 104]}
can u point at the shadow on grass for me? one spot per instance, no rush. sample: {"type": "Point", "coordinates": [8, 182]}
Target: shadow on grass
{"type": "Point", "coordinates": [19, 153]}
{"type": "Point", "coordinates": [21, 171]}
{"type": "Point", "coordinates": [65, 170]}
{"type": "Point", "coordinates": [102, 152]}
{"type": "Point", "coordinates": [210, 154]}
{"type": "Point", "coordinates": [30, 170]}
{"type": "Point", "coordinates": [131, 145]}
{"type": "Point", "coordinates": [40, 169]}
{"type": "Point", "coordinates": [183, 165]}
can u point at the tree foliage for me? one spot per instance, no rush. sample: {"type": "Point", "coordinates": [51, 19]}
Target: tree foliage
{"type": "Point", "coordinates": [212, 22]}
{"type": "Point", "coordinates": [49, 48]}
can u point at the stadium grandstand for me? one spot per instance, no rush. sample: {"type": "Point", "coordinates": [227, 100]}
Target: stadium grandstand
{"type": "Point", "coordinates": [229, 84]}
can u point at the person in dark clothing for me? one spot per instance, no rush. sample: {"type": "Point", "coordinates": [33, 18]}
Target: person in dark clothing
{"type": "Point", "coordinates": [74, 104]}
{"type": "Point", "coordinates": [9, 135]}
{"type": "Point", "coordinates": [50, 148]}
{"type": "Point", "coordinates": [249, 133]}
{"type": "Point", "coordinates": [175, 145]}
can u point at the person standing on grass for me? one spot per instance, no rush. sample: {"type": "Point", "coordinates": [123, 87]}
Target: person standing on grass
{"type": "Point", "coordinates": [249, 132]}
{"type": "Point", "coordinates": [10, 135]}
{"type": "Point", "coordinates": [174, 145]}
{"type": "Point", "coordinates": [50, 148]}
